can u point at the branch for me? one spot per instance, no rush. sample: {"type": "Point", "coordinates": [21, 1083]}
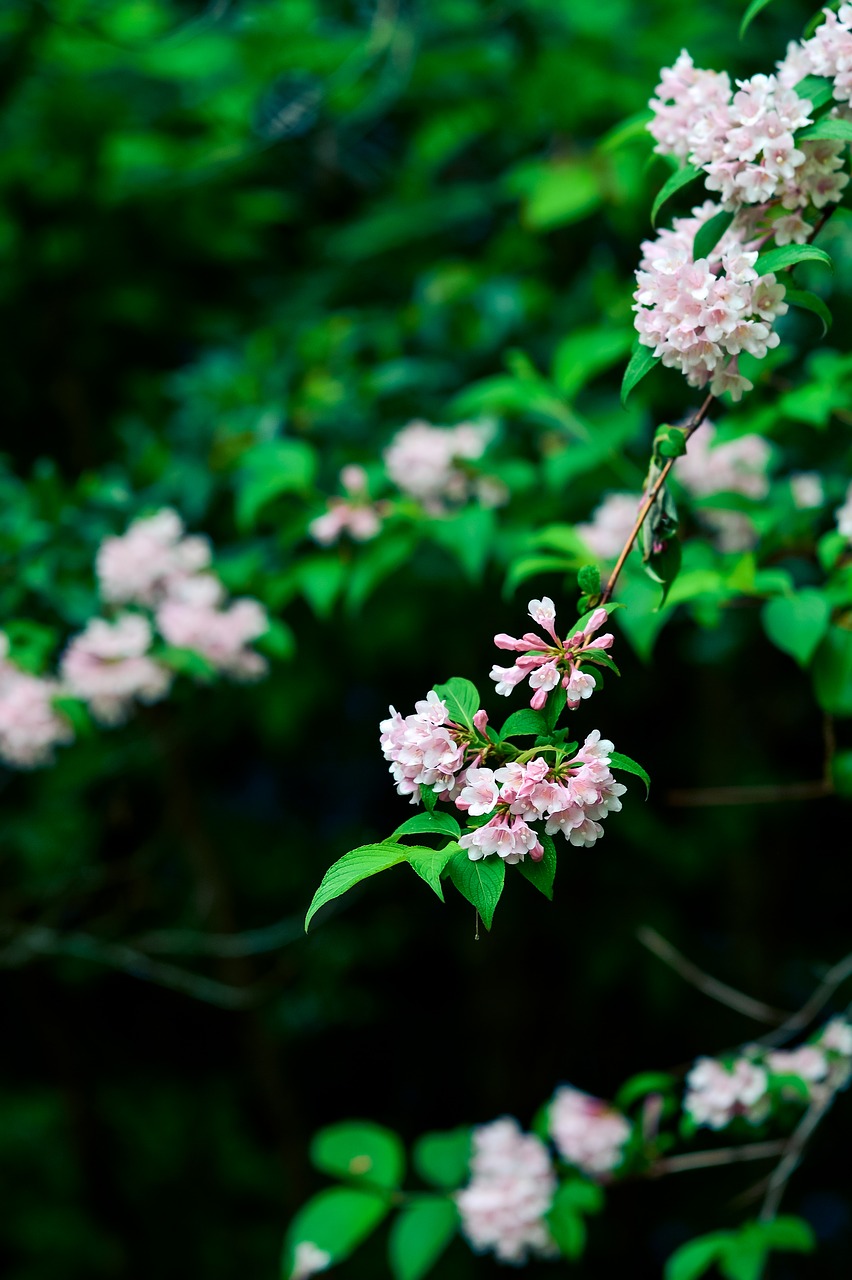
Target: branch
{"type": "Point", "coordinates": [818, 1109]}
{"type": "Point", "coordinates": [797, 1022]}
{"type": "Point", "coordinates": [692, 426]}
{"type": "Point", "coordinates": [724, 1155]}
{"type": "Point", "coordinates": [705, 982]}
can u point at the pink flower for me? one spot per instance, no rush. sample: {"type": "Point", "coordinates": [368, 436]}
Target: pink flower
{"type": "Point", "coordinates": [423, 461]}
{"type": "Point", "coordinates": [190, 619]}
{"type": "Point", "coordinates": [509, 837]}
{"type": "Point", "coordinates": [611, 525]}
{"type": "Point", "coordinates": [807, 1062]}
{"type": "Point", "coordinates": [309, 1260]}
{"type": "Point", "coordinates": [716, 1093]}
{"type": "Point", "coordinates": [423, 748]}
{"type": "Point", "coordinates": [108, 666]}
{"type": "Point", "coordinates": [843, 516]}
{"type": "Point", "coordinates": [547, 663]}
{"type": "Point", "coordinates": [354, 514]}
{"type": "Point", "coordinates": [140, 566]}
{"type": "Point", "coordinates": [588, 1133]}
{"type": "Point", "coordinates": [480, 794]}
{"type": "Point", "coordinates": [511, 1189]}
{"type": "Point", "coordinates": [30, 726]}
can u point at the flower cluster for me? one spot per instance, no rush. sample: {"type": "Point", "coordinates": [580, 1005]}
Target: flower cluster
{"type": "Point", "coordinates": [425, 749]}
{"type": "Point", "coordinates": [720, 1090]}
{"type": "Point", "coordinates": [572, 796]}
{"type": "Point", "coordinates": [698, 316]}
{"type": "Point", "coordinates": [549, 663]}
{"type": "Point", "coordinates": [355, 514]}
{"type": "Point", "coordinates": [587, 1132]}
{"type": "Point", "coordinates": [428, 463]}
{"type": "Point", "coordinates": [164, 577]}
{"type": "Point", "coordinates": [511, 1189]}
{"type": "Point", "coordinates": [30, 725]}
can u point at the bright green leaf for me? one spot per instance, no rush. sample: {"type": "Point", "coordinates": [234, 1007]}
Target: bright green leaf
{"type": "Point", "coordinates": [481, 882]}
{"type": "Point", "coordinates": [431, 863]}
{"type": "Point", "coordinates": [641, 362]}
{"type": "Point", "coordinates": [335, 1221]}
{"type": "Point", "coordinates": [828, 128]}
{"type": "Point", "coordinates": [524, 722]}
{"type": "Point", "coordinates": [352, 868]}
{"type": "Point", "coordinates": [359, 1149]}
{"type": "Point", "coordinates": [270, 469]}
{"type": "Point", "coordinates": [419, 1235]}
{"type": "Point", "coordinates": [789, 255]}
{"type": "Point", "coordinates": [797, 623]}
{"type": "Point", "coordinates": [695, 1258]}
{"type": "Point", "coordinates": [541, 873]}
{"type": "Point", "coordinates": [461, 699]}
{"type": "Point", "coordinates": [626, 765]}
{"type": "Point", "coordinates": [443, 1159]}
{"type": "Point", "coordinates": [438, 824]}
{"type": "Point", "coordinates": [817, 89]}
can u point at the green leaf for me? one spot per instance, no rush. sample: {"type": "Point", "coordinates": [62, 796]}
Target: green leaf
{"type": "Point", "coordinates": [359, 1149]}
{"type": "Point", "coordinates": [626, 765]}
{"type": "Point", "coordinates": [429, 796]}
{"type": "Point", "coordinates": [430, 864]}
{"type": "Point", "coordinates": [587, 352]}
{"type": "Point", "coordinates": [567, 1228]}
{"type": "Point", "coordinates": [641, 362]}
{"type": "Point", "coordinates": [589, 580]}
{"type": "Point", "coordinates": [841, 772]}
{"type": "Point", "coordinates": [695, 1258]}
{"type": "Point", "coordinates": [383, 557]}
{"type": "Point", "coordinates": [270, 469]}
{"type": "Point", "coordinates": [468, 536]}
{"type": "Point", "coordinates": [335, 1221]}
{"type": "Point", "coordinates": [443, 1159]}
{"type": "Point", "coordinates": [679, 179]}
{"type": "Point", "coordinates": [743, 1260]}
{"type": "Point", "coordinates": [419, 1235]}
{"type": "Point", "coordinates": [789, 255]}
{"type": "Point", "coordinates": [829, 129]}
{"type": "Point", "coordinates": [554, 707]}
{"type": "Point", "coordinates": [817, 89]}
{"type": "Point", "coordinates": [461, 699]}
{"type": "Point", "coordinates": [670, 442]}
{"type": "Point", "coordinates": [797, 623]}
{"type": "Point", "coordinates": [810, 302]}
{"type": "Point", "coordinates": [664, 566]}
{"type": "Point", "coordinates": [533, 566]}
{"type": "Point", "coordinates": [639, 1086]}
{"type": "Point", "coordinates": [481, 882]}
{"type": "Point", "coordinates": [750, 14]}
{"type": "Point", "coordinates": [437, 824]}
{"type": "Point", "coordinates": [793, 1234]}
{"type": "Point", "coordinates": [541, 873]}
{"type": "Point", "coordinates": [710, 233]}
{"type": "Point", "coordinates": [77, 712]}
{"type": "Point", "coordinates": [353, 867]}
{"type": "Point", "coordinates": [187, 662]}
{"type": "Point", "coordinates": [521, 723]}
{"type": "Point", "coordinates": [832, 672]}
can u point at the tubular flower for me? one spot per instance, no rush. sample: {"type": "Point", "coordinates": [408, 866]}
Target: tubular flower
{"type": "Point", "coordinates": [549, 663]}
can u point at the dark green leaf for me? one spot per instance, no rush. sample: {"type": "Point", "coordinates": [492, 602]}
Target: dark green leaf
{"type": "Point", "coordinates": [270, 469]}
{"type": "Point", "coordinates": [429, 797]}
{"type": "Point", "coordinates": [461, 699]}
{"type": "Point", "coordinates": [359, 1149]}
{"type": "Point", "coordinates": [639, 1086]}
{"type": "Point", "coordinates": [443, 1159]}
{"type": "Point", "coordinates": [589, 580]}
{"type": "Point", "coordinates": [641, 362]}
{"type": "Point", "coordinates": [626, 765]}
{"type": "Point", "coordinates": [797, 623]}
{"type": "Point", "coordinates": [679, 179]}
{"type": "Point", "coordinates": [789, 255]}
{"type": "Point", "coordinates": [832, 672]}
{"type": "Point", "coordinates": [335, 1221]}
{"type": "Point", "coordinates": [419, 1235]}
{"type": "Point", "coordinates": [481, 882]}
{"type": "Point", "coordinates": [670, 442]}
{"type": "Point", "coordinates": [710, 233]}
{"type": "Point", "coordinates": [541, 873]}
{"type": "Point", "coordinates": [810, 302]}
{"type": "Point", "coordinates": [663, 566]}
{"type": "Point", "coordinates": [750, 14]}
{"type": "Point", "coordinates": [695, 1258]}
{"type": "Point", "coordinates": [554, 707]}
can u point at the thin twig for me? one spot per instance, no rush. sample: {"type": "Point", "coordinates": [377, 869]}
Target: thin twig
{"type": "Point", "coordinates": [836, 976]}
{"type": "Point", "coordinates": [705, 982]}
{"type": "Point", "coordinates": [761, 793]}
{"type": "Point", "coordinates": [651, 497]}
{"type": "Point", "coordinates": [795, 1148]}
{"type": "Point", "coordinates": [724, 1155]}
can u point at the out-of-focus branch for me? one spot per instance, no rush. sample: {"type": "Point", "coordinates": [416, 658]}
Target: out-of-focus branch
{"type": "Point", "coordinates": [705, 982]}
{"type": "Point", "coordinates": [815, 1002]}
{"type": "Point", "coordinates": [721, 1156]}
{"type": "Point", "coordinates": [795, 1149]}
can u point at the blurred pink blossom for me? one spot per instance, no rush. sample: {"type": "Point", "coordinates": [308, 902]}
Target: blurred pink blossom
{"type": "Point", "coordinates": [588, 1133]}
{"type": "Point", "coordinates": [512, 1186]}
{"type": "Point", "coordinates": [107, 666]}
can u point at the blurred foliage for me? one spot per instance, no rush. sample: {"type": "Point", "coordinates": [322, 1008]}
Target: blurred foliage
{"type": "Point", "coordinates": [242, 245]}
